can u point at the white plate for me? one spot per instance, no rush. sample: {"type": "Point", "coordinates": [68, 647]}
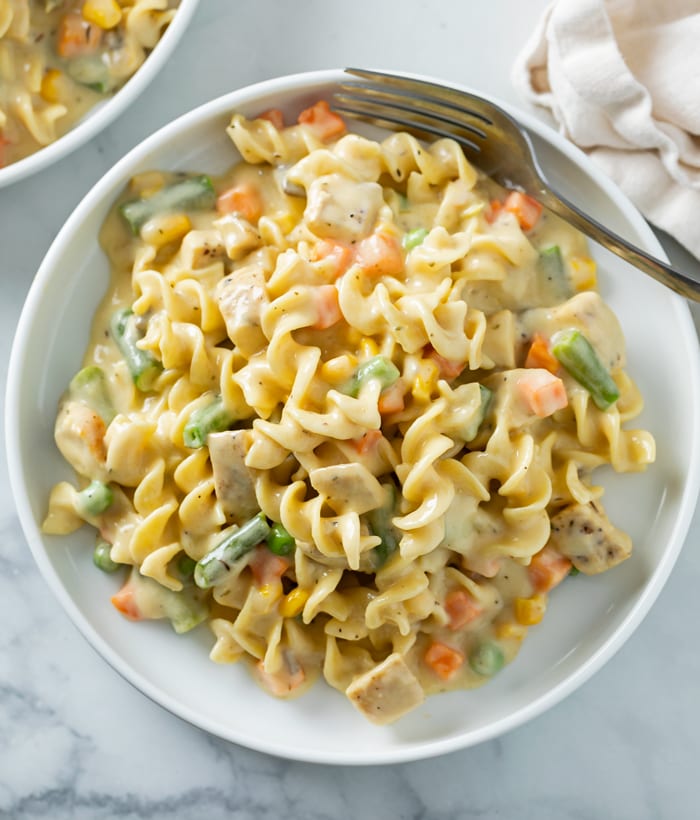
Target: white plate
{"type": "Point", "coordinates": [99, 117]}
{"type": "Point", "coordinates": [588, 618]}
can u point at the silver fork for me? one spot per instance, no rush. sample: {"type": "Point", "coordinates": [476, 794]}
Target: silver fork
{"type": "Point", "coordinates": [494, 142]}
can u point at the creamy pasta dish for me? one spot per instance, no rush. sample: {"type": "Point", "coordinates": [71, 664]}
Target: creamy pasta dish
{"type": "Point", "coordinates": [59, 58]}
{"type": "Point", "coordinates": [344, 404]}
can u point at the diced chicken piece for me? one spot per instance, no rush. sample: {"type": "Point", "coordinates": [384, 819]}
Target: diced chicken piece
{"type": "Point", "coordinates": [80, 436]}
{"type": "Point", "coordinates": [348, 487]}
{"type": "Point", "coordinates": [242, 297]}
{"type": "Point", "coordinates": [342, 208]}
{"type": "Point", "coordinates": [583, 533]}
{"type": "Point", "coordinates": [131, 449]}
{"type": "Point", "coordinates": [387, 691]}
{"type": "Point", "coordinates": [233, 480]}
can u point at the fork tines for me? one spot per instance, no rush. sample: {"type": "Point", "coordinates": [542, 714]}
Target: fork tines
{"type": "Point", "coordinates": [413, 105]}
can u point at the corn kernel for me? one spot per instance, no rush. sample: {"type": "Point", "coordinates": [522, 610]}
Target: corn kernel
{"type": "Point", "coordinates": [511, 631]}
{"type": "Point", "coordinates": [339, 369]}
{"type": "Point", "coordinates": [368, 347]}
{"type": "Point", "coordinates": [147, 183]}
{"type": "Point", "coordinates": [294, 603]}
{"type": "Point", "coordinates": [50, 85]}
{"type": "Point", "coordinates": [165, 228]}
{"type": "Point", "coordinates": [426, 380]}
{"type": "Point", "coordinates": [530, 611]}
{"type": "Point", "coordinates": [583, 270]}
{"type": "Point", "coordinates": [103, 13]}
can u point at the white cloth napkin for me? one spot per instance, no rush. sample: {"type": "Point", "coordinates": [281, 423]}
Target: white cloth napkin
{"type": "Point", "coordinates": [622, 80]}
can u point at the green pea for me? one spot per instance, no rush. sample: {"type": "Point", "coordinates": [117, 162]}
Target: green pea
{"type": "Point", "coordinates": [95, 499]}
{"type": "Point", "coordinates": [486, 659]}
{"type": "Point", "coordinates": [102, 556]}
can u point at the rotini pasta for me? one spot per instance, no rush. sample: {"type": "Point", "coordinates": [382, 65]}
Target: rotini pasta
{"type": "Point", "coordinates": [59, 58]}
{"type": "Point", "coordinates": [345, 404]}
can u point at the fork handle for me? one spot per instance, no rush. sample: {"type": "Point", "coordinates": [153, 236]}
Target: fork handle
{"type": "Point", "coordinates": [661, 271]}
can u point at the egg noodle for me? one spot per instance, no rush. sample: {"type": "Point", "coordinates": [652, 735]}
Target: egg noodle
{"type": "Point", "coordinates": [344, 404]}
{"type": "Point", "coordinates": [59, 58]}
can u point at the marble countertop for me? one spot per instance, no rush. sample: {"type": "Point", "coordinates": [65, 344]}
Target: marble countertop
{"type": "Point", "coordinates": [76, 741]}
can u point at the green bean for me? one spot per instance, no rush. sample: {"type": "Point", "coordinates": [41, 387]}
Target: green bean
{"type": "Point", "coordinates": [194, 193]}
{"type": "Point", "coordinates": [578, 357]}
{"type": "Point", "coordinates": [102, 556]}
{"type": "Point", "coordinates": [142, 364]}
{"type": "Point", "coordinates": [379, 521]}
{"type": "Point", "coordinates": [378, 367]}
{"type": "Point", "coordinates": [413, 238]}
{"type": "Point", "coordinates": [212, 418]}
{"type": "Point", "coordinates": [486, 659]}
{"type": "Point", "coordinates": [95, 499]}
{"type": "Point", "coordinates": [90, 385]}
{"type": "Point", "coordinates": [217, 563]}
{"type": "Point", "coordinates": [279, 540]}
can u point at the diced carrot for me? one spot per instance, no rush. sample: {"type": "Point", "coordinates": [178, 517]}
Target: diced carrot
{"type": "Point", "coordinates": [443, 659]}
{"type": "Point", "coordinates": [267, 567]}
{"type": "Point", "coordinates": [327, 307]}
{"type": "Point", "coordinates": [461, 608]}
{"type": "Point", "coordinates": [273, 115]}
{"type": "Point", "coordinates": [283, 682]}
{"type": "Point", "coordinates": [367, 442]}
{"type": "Point", "coordinates": [547, 569]}
{"type": "Point", "coordinates": [380, 254]}
{"type": "Point", "coordinates": [338, 254]}
{"type": "Point", "coordinates": [125, 602]}
{"type": "Point", "coordinates": [526, 209]}
{"type": "Point", "coordinates": [539, 355]}
{"type": "Point", "coordinates": [449, 368]}
{"type": "Point", "coordinates": [77, 37]}
{"type": "Point", "coordinates": [391, 399]}
{"type": "Point", "coordinates": [243, 199]}
{"type": "Point", "coordinates": [494, 209]}
{"type": "Point", "coordinates": [325, 123]}
{"type": "Point", "coordinates": [542, 392]}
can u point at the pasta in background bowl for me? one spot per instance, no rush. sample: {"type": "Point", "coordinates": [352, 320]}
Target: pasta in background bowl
{"type": "Point", "coordinates": [68, 68]}
{"type": "Point", "coordinates": [587, 619]}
